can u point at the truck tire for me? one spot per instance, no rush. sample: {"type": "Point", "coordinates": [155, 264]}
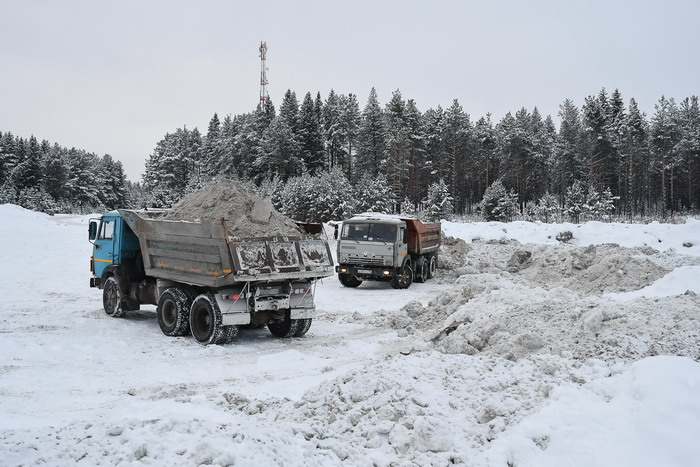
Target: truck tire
{"type": "Point", "coordinates": [174, 312]}
{"type": "Point", "coordinates": [422, 266]}
{"type": "Point", "coordinates": [206, 321]}
{"type": "Point", "coordinates": [112, 298]}
{"type": "Point", "coordinates": [348, 280]}
{"type": "Point", "coordinates": [228, 335]}
{"type": "Point", "coordinates": [289, 327]}
{"type": "Point", "coordinates": [432, 267]}
{"type": "Point", "coordinates": [404, 278]}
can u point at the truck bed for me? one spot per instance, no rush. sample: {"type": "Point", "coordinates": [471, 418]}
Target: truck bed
{"type": "Point", "coordinates": [212, 255]}
{"type": "Point", "coordinates": [422, 237]}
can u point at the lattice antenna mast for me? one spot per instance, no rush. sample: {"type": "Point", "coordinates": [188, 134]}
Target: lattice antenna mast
{"type": "Point", "coordinates": [263, 74]}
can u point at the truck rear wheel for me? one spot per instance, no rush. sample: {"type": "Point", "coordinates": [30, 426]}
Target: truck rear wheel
{"type": "Point", "coordinates": [289, 327]}
{"type": "Point", "coordinates": [174, 312]}
{"type": "Point", "coordinates": [228, 335]}
{"type": "Point", "coordinates": [206, 321]}
{"type": "Point", "coordinates": [404, 278]}
{"type": "Point", "coordinates": [348, 280]}
{"type": "Point", "coordinates": [112, 298]}
{"type": "Point", "coordinates": [432, 267]}
{"type": "Point", "coordinates": [422, 269]}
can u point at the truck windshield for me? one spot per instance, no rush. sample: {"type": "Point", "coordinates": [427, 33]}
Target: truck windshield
{"type": "Point", "coordinates": [369, 232]}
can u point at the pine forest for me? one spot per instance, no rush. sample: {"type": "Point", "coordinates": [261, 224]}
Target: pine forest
{"type": "Point", "coordinates": [322, 159]}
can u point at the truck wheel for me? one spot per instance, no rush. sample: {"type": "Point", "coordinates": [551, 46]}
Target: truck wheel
{"type": "Point", "coordinates": [289, 327]}
{"type": "Point", "coordinates": [205, 320]}
{"type": "Point", "coordinates": [422, 269]}
{"type": "Point", "coordinates": [174, 312]}
{"type": "Point", "coordinates": [112, 298]}
{"type": "Point", "coordinates": [348, 280]}
{"type": "Point", "coordinates": [404, 278]}
{"type": "Point", "coordinates": [228, 335]}
{"type": "Point", "coordinates": [432, 268]}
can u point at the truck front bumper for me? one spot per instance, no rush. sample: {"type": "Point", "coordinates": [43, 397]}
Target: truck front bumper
{"type": "Point", "coordinates": [367, 272]}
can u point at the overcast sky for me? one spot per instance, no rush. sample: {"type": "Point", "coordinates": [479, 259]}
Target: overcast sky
{"type": "Point", "coordinates": [114, 76]}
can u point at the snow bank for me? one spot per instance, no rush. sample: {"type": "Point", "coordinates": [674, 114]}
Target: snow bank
{"type": "Point", "coordinates": [682, 238]}
{"type": "Point", "coordinates": [648, 415]}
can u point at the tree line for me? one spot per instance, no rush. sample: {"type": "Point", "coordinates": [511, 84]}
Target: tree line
{"type": "Point", "coordinates": [320, 158]}
{"type": "Point", "coordinates": [51, 178]}
{"type": "Point", "coordinates": [647, 166]}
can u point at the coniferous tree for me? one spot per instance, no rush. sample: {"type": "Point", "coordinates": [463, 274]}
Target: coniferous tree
{"type": "Point", "coordinates": [455, 132]}
{"type": "Point", "coordinates": [688, 149]}
{"type": "Point", "coordinates": [332, 114]}
{"type": "Point", "coordinates": [396, 143]}
{"type": "Point", "coordinates": [439, 203]}
{"type": "Point", "coordinates": [664, 137]}
{"type": "Point", "coordinates": [415, 138]}
{"type": "Point", "coordinates": [371, 138]}
{"type": "Point", "coordinates": [310, 136]}
{"type": "Point", "coordinates": [373, 194]}
{"type": "Point", "coordinates": [498, 203]}
{"type": "Point", "coordinates": [434, 146]}
{"type": "Point", "coordinates": [487, 161]}
{"type": "Point", "coordinates": [349, 126]}
{"type": "Point", "coordinates": [212, 155]}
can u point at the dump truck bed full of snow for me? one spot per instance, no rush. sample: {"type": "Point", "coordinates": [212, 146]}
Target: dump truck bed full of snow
{"type": "Point", "coordinates": [212, 255]}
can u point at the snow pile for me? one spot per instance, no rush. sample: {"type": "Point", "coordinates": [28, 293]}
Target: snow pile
{"type": "Point", "coordinates": [422, 409]}
{"type": "Point", "coordinates": [647, 415]}
{"type": "Point", "coordinates": [245, 213]}
{"type": "Point", "coordinates": [515, 300]}
{"type": "Point", "coordinates": [683, 239]}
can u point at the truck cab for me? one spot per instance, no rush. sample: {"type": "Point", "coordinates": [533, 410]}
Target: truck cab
{"type": "Point", "coordinates": [115, 250]}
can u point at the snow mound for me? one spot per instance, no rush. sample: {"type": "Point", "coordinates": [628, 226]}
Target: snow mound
{"type": "Point", "coordinates": [647, 415]}
{"type": "Point", "coordinates": [245, 212]}
{"type": "Point", "coordinates": [515, 301]}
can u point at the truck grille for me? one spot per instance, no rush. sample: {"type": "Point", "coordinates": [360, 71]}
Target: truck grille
{"type": "Point", "coordinates": [363, 260]}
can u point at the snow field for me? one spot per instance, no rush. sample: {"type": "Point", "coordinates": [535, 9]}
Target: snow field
{"type": "Point", "coordinates": [573, 355]}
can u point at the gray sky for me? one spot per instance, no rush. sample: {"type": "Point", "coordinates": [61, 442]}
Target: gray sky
{"type": "Point", "coordinates": [115, 76]}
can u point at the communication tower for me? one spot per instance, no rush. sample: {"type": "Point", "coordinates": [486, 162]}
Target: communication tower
{"type": "Point", "coordinates": [263, 74]}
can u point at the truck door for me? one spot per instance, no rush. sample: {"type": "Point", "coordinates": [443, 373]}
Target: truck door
{"type": "Point", "coordinates": [104, 246]}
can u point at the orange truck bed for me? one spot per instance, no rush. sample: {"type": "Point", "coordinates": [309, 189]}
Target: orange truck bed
{"type": "Point", "coordinates": [422, 238]}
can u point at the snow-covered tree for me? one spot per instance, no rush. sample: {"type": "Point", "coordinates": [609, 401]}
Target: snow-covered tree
{"type": "Point", "coordinates": [370, 142]}
{"type": "Point", "coordinates": [575, 201]}
{"type": "Point", "coordinates": [547, 208]}
{"type": "Point", "coordinates": [373, 194]}
{"type": "Point", "coordinates": [499, 204]}
{"type": "Point", "coordinates": [439, 202]}
{"type": "Point", "coordinates": [407, 208]}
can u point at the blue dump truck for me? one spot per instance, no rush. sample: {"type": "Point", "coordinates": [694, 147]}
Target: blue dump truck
{"type": "Point", "coordinates": [203, 278]}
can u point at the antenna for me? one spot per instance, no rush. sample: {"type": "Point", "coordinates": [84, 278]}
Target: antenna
{"type": "Point", "coordinates": [263, 74]}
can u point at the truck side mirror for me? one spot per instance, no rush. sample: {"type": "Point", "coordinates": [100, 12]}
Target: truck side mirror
{"type": "Point", "coordinates": [92, 230]}
{"type": "Point", "coordinates": [335, 232]}
{"type": "Point", "coordinates": [404, 236]}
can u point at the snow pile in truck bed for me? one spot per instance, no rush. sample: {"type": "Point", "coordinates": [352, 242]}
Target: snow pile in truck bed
{"type": "Point", "coordinates": [245, 213]}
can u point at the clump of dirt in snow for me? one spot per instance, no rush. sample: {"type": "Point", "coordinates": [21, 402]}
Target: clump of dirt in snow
{"type": "Point", "coordinates": [245, 213]}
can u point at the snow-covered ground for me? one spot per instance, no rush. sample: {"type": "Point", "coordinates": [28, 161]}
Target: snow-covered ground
{"type": "Point", "coordinates": [523, 351]}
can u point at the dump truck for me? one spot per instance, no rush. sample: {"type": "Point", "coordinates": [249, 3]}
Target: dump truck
{"type": "Point", "coordinates": [204, 278]}
{"type": "Point", "coordinates": [386, 248]}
